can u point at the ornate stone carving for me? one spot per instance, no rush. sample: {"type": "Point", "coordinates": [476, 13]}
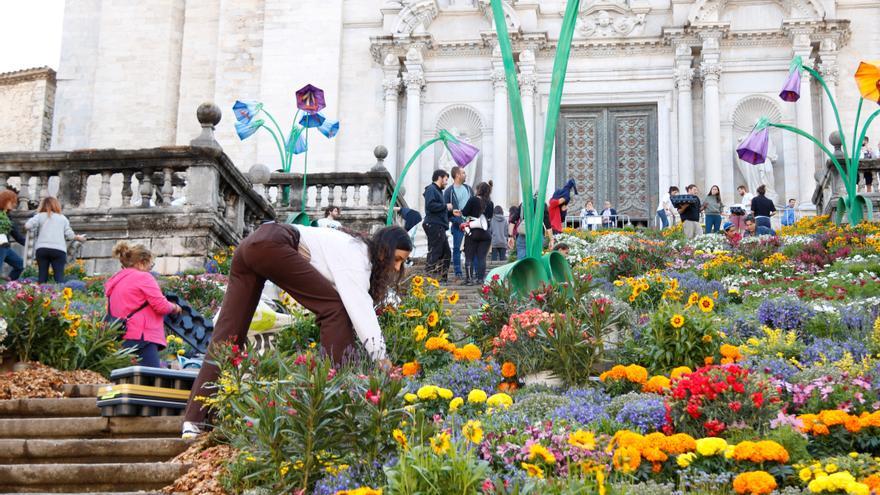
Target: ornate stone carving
{"type": "Point", "coordinates": [414, 79]}
{"type": "Point", "coordinates": [510, 15]}
{"type": "Point", "coordinates": [416, 16]}
{"type": "Point", "coordinates": [684, 78]}
{"type": "Point", "coordinates": [710, 72]}
{"type": "Point", "coordinates": [499, 78]}
{"type": "Point", "coordinates": [528, 83]}
{"type": "Point", "coordinates": [709, 11]}
{"type": "Point", "coordinates": [391, 85]}
{"type": "Point", "coordinates": [607, 24]}
{"type": "Point", "coordinates": [830, 72]}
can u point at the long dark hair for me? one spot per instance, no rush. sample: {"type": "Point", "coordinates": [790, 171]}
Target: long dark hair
{"type": "Point", "coordinates": [381, 248]}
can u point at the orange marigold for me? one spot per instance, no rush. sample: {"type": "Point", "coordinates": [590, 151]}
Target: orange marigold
{"type": "Point", "coordinates": [508, 370]}
{"type": "Point", "coordinates": [754, 483]}
{"type": "Point", "coordinates": [656, 384]}
{"type": "Point", "coordinates": [411, 369]}
{"type": "Point", "coordinates": [636, 373]}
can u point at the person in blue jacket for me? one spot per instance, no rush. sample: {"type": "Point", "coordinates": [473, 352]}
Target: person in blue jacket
{"type": "Point", "coordinates": [436, 223]}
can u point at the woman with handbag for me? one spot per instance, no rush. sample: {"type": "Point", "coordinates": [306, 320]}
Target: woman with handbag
{"type": "Point", "coordinates": [8, 233]}
{"type": "Point", "coordinates": [478, 240]}
{"type": "Point", "coordinates": [134, 297]}
{"type": "Point", "coordinates": [53, 232]}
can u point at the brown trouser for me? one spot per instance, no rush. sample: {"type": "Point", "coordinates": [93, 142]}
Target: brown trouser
{"type": "Point", "coordinates": [271, 253]}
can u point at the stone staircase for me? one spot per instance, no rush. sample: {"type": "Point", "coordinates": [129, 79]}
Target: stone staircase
{"type": "Point", "coordinates": [470, 298]}
{"type": "Point", "coordinates": [66, 446]}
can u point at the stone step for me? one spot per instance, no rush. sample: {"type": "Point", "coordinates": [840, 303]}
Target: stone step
{"type": "Point", "coordinates": [91, 451]}
{"type": "Point", "coordinates": [82, 389]}
{"type": "Point", "coordinates": [49, 408]}
{"type": "Point", "coordinates": [88, 478]}
{"type": "Point", "coordinates": [97, 427]}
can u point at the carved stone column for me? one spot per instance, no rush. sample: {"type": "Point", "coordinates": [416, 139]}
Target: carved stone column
{"type": "Point", "coordinates": [710, 70]}
{"type": "Point", "coordinates": [414, 80]}
{"type": "Point", "coordinates": [528, 83]}
{"type": "Point", "coordinates": [806, 158]}
{"type": "Point", "coordinates": [684, 75]}
{"type": "Point", "coordinates": [830, 73]}
{"type": "Point", "coordinates": [391, 87]}
{"type": "Point", "coordinates": [500, 146]}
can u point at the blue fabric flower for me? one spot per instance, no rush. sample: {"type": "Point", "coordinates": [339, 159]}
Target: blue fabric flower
{"type": "Point", "coordinates": [312, 120]}
{"type": "Point", "coordinates": [329, 128]}
{"type": "Point", "coordinates": [299, 145]}
{"type": "Point", "coordinates": [245, 111]}
{"type": "Point", "coordinates": [246, 130]}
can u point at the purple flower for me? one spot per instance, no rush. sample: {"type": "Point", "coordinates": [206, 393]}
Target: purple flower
{"type": "Point", "coordinates": [462, 153]}
{"type": "Point", "coordinates": [787, 314]}
{"type": "Point", "coordinates": [245, 111]}
{"type": "Point", "coordinates": [310, 99]}
{"type": "Point", "coordinates": [753, 148]}
{"type": "Point", "coordinates": [645, 415]}
{"type": "Point", "coordinates": [791, 91]}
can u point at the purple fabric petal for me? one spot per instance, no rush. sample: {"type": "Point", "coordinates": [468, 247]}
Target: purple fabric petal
{"type": "Point", "coordinates": [245, 111]}
{"type": "Point", "coordinates": [754, 147]}
{"type": "Point", "coordinates": [462, 153]}
{"type": "Point", "coordinates": [792, 89]}
{"type": "Point", "coordinates": [312, 120]}
{"type": "Point", "coordinates": [310, 99]}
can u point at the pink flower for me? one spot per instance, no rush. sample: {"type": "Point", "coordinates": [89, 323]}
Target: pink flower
{"type": "Point", "coordinates": [373, 396]}
{"type": "Point", "coordinates": [488, 486]}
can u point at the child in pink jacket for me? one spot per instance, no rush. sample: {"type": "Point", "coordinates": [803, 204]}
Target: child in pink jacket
{"type": "Point", "coordinates": [134, 295]}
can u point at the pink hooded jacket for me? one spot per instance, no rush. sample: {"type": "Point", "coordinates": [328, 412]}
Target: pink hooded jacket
{"type": "Point", "coordinates": [127, 290]}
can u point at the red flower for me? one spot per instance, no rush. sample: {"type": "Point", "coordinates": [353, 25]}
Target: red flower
{"type": "Point", "coordinates": [485, 290]}
{"type": "Point", "coordinates": [739, 388]}
{"type": "Point", "coordinates": [495, 277]}
{"type": "Point", "coordinates": [758, 399]}
{"type": "Point", "coordinates": [735, 406]}
{"type": "Point", "coordinates": [694, 410]}
{"type": "Point", "coordinates": [714, 427]}
{"type": "Point", "coordinates": [373, 396]}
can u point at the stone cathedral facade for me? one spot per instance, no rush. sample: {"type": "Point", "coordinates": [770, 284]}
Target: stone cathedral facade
{"type": "Point", "coordinates": [658, 92]}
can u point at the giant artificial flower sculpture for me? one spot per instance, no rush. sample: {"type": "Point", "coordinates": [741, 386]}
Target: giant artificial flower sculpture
{"type": "Point", "coordinates": [753, 148]}
{"type": "Point", "coordinates": [310, 100]}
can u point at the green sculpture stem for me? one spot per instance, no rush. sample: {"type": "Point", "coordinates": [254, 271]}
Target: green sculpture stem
{"type": "Point", "coordinates": [285, 161]}
{"type": "Point", "coordinates": [833, 105]}
{"type": "Point", "coordinates": [277, 143]}
{"type": "Point", "coordinates": [857, 144]}
{"type": "Point", "coordinates": [519, 122]}
{"type": "Point", "coordinates": [560, 67]}
{"type": "Point", "coordinates": [815, 141]}
{"type": "Point", "coordinates": [389, 220]}
{"type": "Point", "coordinates": [305, 192]}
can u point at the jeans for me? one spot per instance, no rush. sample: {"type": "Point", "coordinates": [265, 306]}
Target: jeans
{"type": "Point", "coordinates": [664, 220]}
{"type": "Point", "coordinates": [476, 252]}
{"type": "Point", "coordinates": [765, 221]}
{"type": "Point", "coordinates": [54, 257]}
{"type": "Point", "coordinates": [520, 246]}
{"type": "Point", "coordinates": [439, 253]}
{"type": "Point", "coordinates": [147, 352]}
{"type": "Point", "coordinates": [12, 259]}
{"type": "Point", "coordinates": [457, 239]}
{"type": "Point", "coordinates": [713, 223]}
{"type": "Point", "coordinates": [499, 254]}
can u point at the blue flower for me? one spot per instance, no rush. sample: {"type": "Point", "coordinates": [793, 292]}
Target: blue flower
{"type": "Point", "coordinates": [245, 111]}
{"type": "Point", "coordinates": [645, 415]}
{"type": "Point", "coordinates": [586, 406]}
{"type": "Point", "coordinates": [312, 120]}
{"type": "Point", "coordinates": [329, 128]}
{"type": "Point", "coordinates": [461, 378]}
{"type": "Point", "coordinates": [246, 130]}
{"type": "Point", "coordinates": [299, 145]}
{"type": "Point", "coordinates": [787, 314]}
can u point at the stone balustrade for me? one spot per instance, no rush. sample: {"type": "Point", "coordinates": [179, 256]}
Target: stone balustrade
{"type": "Point", "coordinates": [181, 202]}
{"type": "Point", "coordinates": [830, 185]}
{"type": "Point", "coordinates": [362, 197]}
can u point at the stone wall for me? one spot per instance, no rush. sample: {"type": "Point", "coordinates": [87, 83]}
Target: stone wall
{"type": "Point", "coordinates": [27, 98]}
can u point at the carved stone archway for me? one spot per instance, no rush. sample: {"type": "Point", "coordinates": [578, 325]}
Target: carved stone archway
{"type": "Point", "coordinates": [709, 11]}
{"type": "Point", "coordinates": [416, 16]}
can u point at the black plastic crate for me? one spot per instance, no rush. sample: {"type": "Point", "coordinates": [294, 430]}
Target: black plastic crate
{"type": "Point", "coordinates": [154, 377]}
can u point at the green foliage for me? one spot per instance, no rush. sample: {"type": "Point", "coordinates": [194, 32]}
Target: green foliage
{"type": "Point", "coordinates": [664, 345]}
{"type": "Point", "coordinates": [94, 347]}
{"type": "Point", "coordinates": [202, 292]}
{"type": "Point", "coordinates": [422, 471]}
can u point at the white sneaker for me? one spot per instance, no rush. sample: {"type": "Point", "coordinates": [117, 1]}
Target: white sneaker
{"type": "Point", "coordinates": [189, 431]}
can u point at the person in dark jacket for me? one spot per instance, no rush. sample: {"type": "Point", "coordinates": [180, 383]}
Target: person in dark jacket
{"type": "Point", "coordinates": [8, 202]}
{"type": "Point", "coordinates": [763, 207]}
{"type": "Point", "coordinates": [478, 241]}
{"type": "Point", "coordinates": [436, 223]}
{"type": "Point", "coordinates": [754, 229]}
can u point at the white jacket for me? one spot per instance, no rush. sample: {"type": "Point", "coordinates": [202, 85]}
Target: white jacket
{"type": "Point", "coordinates": [345, 262]}
{"type": "Point", "coordinates": [54, 231]}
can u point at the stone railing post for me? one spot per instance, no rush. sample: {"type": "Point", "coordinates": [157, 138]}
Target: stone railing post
{"type": "Point", "coordinates": [203, 182]}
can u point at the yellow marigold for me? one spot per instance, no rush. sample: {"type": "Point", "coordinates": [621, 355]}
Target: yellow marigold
{"type": "Point", "coordinates": [410, 398]}
{"type": "Point", "coordinates": [754, 483]}
{"type": "Point", "coordinates": [473, 431]}
{"type": "Point", "coordinates": [413, 313]}
{"type": "Point", "coordinates": [677, 321]}
{"type": "Point", "coordinates": [532, 470]}
{"type": "Point", "coordinates": [418, 281]}
{"type": "Point", "coordinates": [477, 396]}
{"type": "Point", "coordinates": [67, 293]}
{"type": "Point", "coordinates": [420, 332]}
{"type": "Point", "coordinates": [427, 392]}
{"type": "Point", "coordinates": [706, 304]}
{"type": "Point", "coordinates": [433, 319]}
{"type": "Point", "coordinates": [679, 372]}
{"type": "Point", "coordinates": [656, 384]}
{"type": "Point", "coordinates": [805, 474]}
{"type": "Point", "coordinates": [508, 370]}
{"type": "Point", "coordinates": [499, 400]}
{"type": "Point", "coordinates": [626, 459]}
{"type": "Point", "coordinates": [455, 403]}
{"type": "Point", "coordinates": [636, 373]}
{"type": "Point", "coordinates": [582, 439]}
{"type": "Point", "coordinates": [411, 369]}
{"type": "Point", "coordinates": [711, 446]}
{"type": "Point", "coordinates": [400, 438]}
{"type": "Point", "coordinates": [453, 298]}
{"type": "Point", "coordinates": [436, 343]}
{"type": "Point", "coordinates": [469, 352]}
{"type": "Point", "coordinates": [685, 460]}
{"type": "Point", "coordinates": [440, 443]}
{"type": "Point", "coordinates": [538, 450]}
{"type": "Point", "coordinates": [444, 393]}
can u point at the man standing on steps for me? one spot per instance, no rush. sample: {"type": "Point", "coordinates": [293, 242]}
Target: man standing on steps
{"type": "Point", "coordinates": [455, 198]}
{"type": "Point", "coordinates": [436, 223]}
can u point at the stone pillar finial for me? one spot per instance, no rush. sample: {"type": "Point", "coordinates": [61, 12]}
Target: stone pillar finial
{"type": "Point", "coordinates": [209, 116]}
{"type": "Point", "coordinates": [381, 153]}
